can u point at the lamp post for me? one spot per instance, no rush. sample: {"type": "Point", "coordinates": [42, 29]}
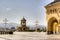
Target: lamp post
{"type": "Point", "coordinates": [5, 22]}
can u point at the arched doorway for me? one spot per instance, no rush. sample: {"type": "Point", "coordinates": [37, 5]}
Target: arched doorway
{"type": "Point", "coordinates": [55, 28]}
{"type": "Point", "coordinates": [52, 26]}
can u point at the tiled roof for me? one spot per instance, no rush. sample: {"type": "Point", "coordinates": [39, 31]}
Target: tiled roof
{"type": "Point", "coordinates": [54, 2]}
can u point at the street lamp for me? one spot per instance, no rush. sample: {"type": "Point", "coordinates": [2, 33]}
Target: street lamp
{"type": "Point", "coordinates": [5, 22]}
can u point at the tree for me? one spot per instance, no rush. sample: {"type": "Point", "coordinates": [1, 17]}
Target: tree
{"type": "Point", "coordinates": [13, 28]}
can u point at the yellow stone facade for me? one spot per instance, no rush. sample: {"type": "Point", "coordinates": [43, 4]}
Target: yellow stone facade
{"type": "Point", "coordinates": [53, 17]}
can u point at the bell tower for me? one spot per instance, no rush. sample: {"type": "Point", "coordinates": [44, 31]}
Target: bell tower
{"type": "Point", "coordinates": [23, 22]}
{"type": "Point", "coordinates": [23, 26]}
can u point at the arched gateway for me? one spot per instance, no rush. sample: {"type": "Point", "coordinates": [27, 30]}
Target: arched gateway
{"type": "Point", "coordinates": [52, 26]}
{"type": "Point", "coordinates": [53, 17]}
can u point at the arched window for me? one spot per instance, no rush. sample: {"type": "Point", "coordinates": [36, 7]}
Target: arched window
{"type": "Point", "coordinates": [51, 11]}
{"type": "Point", "coordinates": [55, 10]}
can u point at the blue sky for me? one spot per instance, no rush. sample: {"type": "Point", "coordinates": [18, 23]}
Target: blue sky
{"type": "Point", "coordinates": [32, 10]}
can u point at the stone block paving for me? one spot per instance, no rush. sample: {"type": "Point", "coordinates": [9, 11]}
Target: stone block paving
{"type": "Point", "coordinates": [30, 36]}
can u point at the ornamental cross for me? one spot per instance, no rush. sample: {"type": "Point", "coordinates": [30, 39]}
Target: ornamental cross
{"type": "Point", "coordinates": [5, 21]}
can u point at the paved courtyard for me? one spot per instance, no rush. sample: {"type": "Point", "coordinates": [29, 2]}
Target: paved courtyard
{"type": "Point", "coordinates": [30, 36]}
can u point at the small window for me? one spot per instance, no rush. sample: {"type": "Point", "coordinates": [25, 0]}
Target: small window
{"type": "Point", "coordinates": [55, 10]}
{"type": "Point", "coordinates": [50, 11]}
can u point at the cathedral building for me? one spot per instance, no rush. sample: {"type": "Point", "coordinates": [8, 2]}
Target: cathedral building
{"type": "Point", "coordinates": [23, 26]}
{"type": "Point", "coordinates": [53, 17]}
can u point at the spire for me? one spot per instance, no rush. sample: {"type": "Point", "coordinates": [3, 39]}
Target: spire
{"type": "Point", "coordinates": [23, 18]}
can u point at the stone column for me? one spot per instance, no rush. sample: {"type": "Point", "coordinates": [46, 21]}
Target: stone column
{"type": "Point", "coordinates": [56, 29]}
{"type": "Point", "coordinates": [53, 29]}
